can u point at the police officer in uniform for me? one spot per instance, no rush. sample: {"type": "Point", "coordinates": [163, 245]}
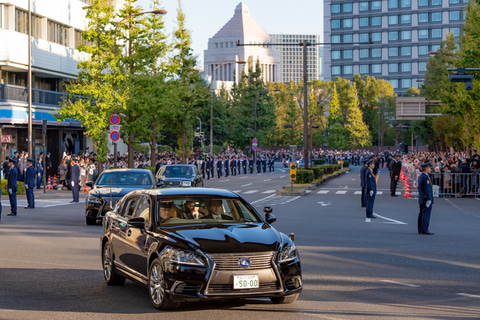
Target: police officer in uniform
{"type": "Point", "coordinates": [363, 172]}
{"type": "Point", "coordinates": [371, 188]}
{"type": "Point", "coordinates": [219, 167]}
{"type": "Point", "coordinates": [12, 187]}
{"type": "Point", "coordinates": [75, 179]}
{"type": "Point", "coordinates": [30, 183]}
{"type": "Point", "coordinates": [425, 199]}
{"type": "Point", "coordinates": [250, 164]}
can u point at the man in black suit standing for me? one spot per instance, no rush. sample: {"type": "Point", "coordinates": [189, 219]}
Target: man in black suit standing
{"type": "Point", "coordinates": [30, 184]}
{"type": "Point", "coordinates": [75, 179]}
{"type": "Point", "coordinates": [363, 171]}
{"type": "Point", "coordinates": [12, 187]}
{"type": "Point", "coordinates": [215, 209]}
{"type": "Point", "coordinates": [395, 167]}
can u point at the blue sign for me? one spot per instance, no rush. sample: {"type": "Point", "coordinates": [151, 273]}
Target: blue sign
{"type": "Point", "coordinates": [115, 135]}
{"type": "Point", "coordinates": [254, 147]}
{"type": "Point", "coordinates": [115, 119]}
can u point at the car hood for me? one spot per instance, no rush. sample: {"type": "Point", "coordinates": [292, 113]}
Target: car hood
{"type": "Point", "coordinates": [177, 179]}
{"type": "Point", "coordinates": [115, 191]}
{"type": "Point", "coordinates": [228, 237]}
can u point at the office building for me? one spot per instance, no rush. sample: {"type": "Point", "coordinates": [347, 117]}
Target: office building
{"type": "Point", "coordinates": [222, 52]}
{"type": "Point", "coordinates": [387, 39]}
{"type": "Point", "coordinates": [291, 55]}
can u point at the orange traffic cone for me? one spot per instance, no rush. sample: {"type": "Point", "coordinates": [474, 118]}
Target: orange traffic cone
{"type": "Point", "coordinates": [55, 182]}
{"type": "Point", "coordinates": [408, 190]}
{"type": "Point", "coordinates": [85, 190]}
{"type": "Point", "coordinates": [402, 175]}
{"type": "Point", "coordinates": [49, 184]}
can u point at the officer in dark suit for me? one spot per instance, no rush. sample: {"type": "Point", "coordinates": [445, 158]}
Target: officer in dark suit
{"type": "Point", "coordinates": [264, 164]}
{"type": "Point", "coordinates": [244, 165]}
{"type": "Point", "coordinates": [250, 164]}
{"type": "Point", "coordinates": [259, 164]}
{"type": "Point", "coordinates": [219, 167]}
{"type": "Point", "coordinates": [227, 166]}
{"type": "Point", "coordinates": [12, 187]}
{"type": "Point", "coordinates": [39, 166]}
{"type": "Point", "coordinates": [395, 167]}
{"type": "Point", "coordinates": [370, 188]}
{"type": "Point", "coordinates": [425, 199]}
{"type": "Point", "coordinates": [75, 179]}
{"type": "Point", "coordinates": [6, 168]}
{"type": "Point", "coordinates": [207, 167]}
{"type": "Point", "coordinates": [363, 172]}
{"type": "Point", "coordinates": [212, 167]}
{"type": "Point", "coordinates": [30, 183]}
{"type": "Point", "coordinates": [215, 209]}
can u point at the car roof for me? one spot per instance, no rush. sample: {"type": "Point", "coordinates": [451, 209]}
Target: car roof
{"type": "Point", "coordinates": [188, 192]}
{"type": "Point", "coordinates": [127, 169]}
{"type": "Point", "coordinates": [178, 165]}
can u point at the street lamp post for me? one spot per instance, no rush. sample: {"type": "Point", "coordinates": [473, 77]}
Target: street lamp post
{"type": "Point", "coordinates": [256, 100]}
{"type": "Point", "coordinates": [211, 104]}
{"type": "Point", "coordinates": [157, 12]}
{"type": "Point", "coordinates": [29, 80]}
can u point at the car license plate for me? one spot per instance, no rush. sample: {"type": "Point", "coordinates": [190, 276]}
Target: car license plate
{"type": "Point", "coordinates": [245, 281]}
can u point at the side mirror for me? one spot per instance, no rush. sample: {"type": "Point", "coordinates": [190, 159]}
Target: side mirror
{"type": "Point", "coordinates": [137, 222]}
{"type": "Point", "coordinates": [267, 209]}
{"type": "Point", "coordinates": [89, 184]}
{"type": "Point", "coordinates": [270, 218]}
{"type": "Point", "coordinates": [160, 183]}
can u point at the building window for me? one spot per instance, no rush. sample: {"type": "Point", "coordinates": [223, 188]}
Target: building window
{"type": "Point", "coordinates": [347, 38]}
{"type": "Point", "coordinates": [363, 6]}
{"type": "Point", "coordinates": [376, 5]}
{"type": "Point", "coordinates": [392, 35]}
{"type": "Point", "coordinates": [405, 3]}
{"type": "Point", "coordinates": [393, 52]}
{"type": "Point", "coordinates": [348, 23]}
{"type": "Point", "coordinates": [436, 2]}
{"type": "Point", "coordinates": [406, 51]}
{"type": "Point", "coordinates": [57, 33]}
{"type": "Point", "coordinates": [335, 38]}
{"type": "Point", "coordinates": [422, 50]}
{"type": "Point", "coordinates": [422, 66]}
{"type": "Point", "coordinates": [376, 53]}
{"type": "Point", "coordinates": [394, 83]}
{"type": "Point", "coordinates": [392, 20]}
{"type": "Point", "coordinates": [347, 7]}
{"type": "Point", "coordinates": [423, 34]}
{"type": "Point", "coordinates": [405, 19]}
{"type": "Point", "coordinates": [376, 68]}
{"type": "Point", "coordinates": [335, 8]}
{"type": "Point", "coordinates": [392, 68]}
{"type": "Point", "coordinates": [376, 21]}
{"type": "Point", "coordinates": [406, 67]}
{"type": "Point", "coordinates": [422, 17]}
{"type": "Point", "coordinates": [21, 23]}
{"type": "Point", "coordinates": [436, 33]}
{"type": "Point", "coordinates": [435, 47]}
{"type": "Point", "coordinates": [335, 24]}
{"type": "Point", "coordinates": [406, 35]}
{"type": "Point", "coordinates": [454, 15]}
{"type": "Point", "coordinates": [336, 70]}
{"type": "Point", "coordinates": [436, 17]}
{"type": "Point", "coordinates": [454, 1]}
{"type": "Point", "coordinates": [406, 83]}
{"type": "Point", "coordinates": [364, 68]}
{"type": "Point", "coordinates": [364, 37]}
{"type": "Point", "coordinates": [423, 3]}
{"type": "Point", "coordinates": [336, 55]}
{"type": "Point", "coordinates": [363, 22]}
{"type": "Point", "coordinates": [456, 32]}
{"type": "Point", "coordinates": [376, 37]}
{"type": "Point", "coordinates": [364, 53]}
{"type": "Point", "coordinates": [348, 54]}
{"type": "Point", "coordinates": [392, 4]}
{"type": "Point", "coordinates": [347, 70]}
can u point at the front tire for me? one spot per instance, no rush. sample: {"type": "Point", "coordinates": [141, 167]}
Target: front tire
{"type": "Point", "coordinates": [156, 288]}
{"type": "Point", "coordinates": [90, 221]}
{"type": "Point", "coordinates": [109, 273]}
{"type": "Point", "coordinates": [285, 299]}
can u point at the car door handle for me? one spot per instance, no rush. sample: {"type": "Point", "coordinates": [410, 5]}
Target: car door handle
{"type": "Point", "coordinates": [129, 232]}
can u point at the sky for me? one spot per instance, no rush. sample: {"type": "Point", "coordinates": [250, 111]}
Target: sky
{"type": "Point", "coordinates": [205, 17]}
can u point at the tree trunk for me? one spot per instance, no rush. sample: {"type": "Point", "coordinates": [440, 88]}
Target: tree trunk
{"type": "Point", "coordinates": [131, 137]}
{"type": "Point", "coordinates": [153, 143]}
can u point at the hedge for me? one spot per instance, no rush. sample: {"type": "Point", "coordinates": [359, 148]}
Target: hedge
{"type": "Point", "coordinates": [318, 162]}
{"type": "Point", "coordinates": [21, 187]}
{"type": "Point", "coordinates": [304, 176]}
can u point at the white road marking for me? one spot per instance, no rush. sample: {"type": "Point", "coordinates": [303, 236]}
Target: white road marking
{"type": "Point", "coordinates": [281, 177]}
{"type": "Point", "coordinates": [246, 185]}
{"type": "Point", "coordinates": [341, 192]}
{"type": "Point", "coordinates": [269, 191]}
{"type": "Point", "coordinates": [250, 191]}
{"type": "Point", "coordinates": [388, 219]}
{"type": "Point", "coordinates": [243, 177]}
{"type": "Point", "coordinates": [237, 191]}
{"type": "Point", "coordinates": [357, 192]}
{"type": "Point", "coordinates": [266, 180]}
{"type": "Point", "coordinates": [401, 283]}
{"type": "Point", "coordinates": [42, 203]}
{"type": "Point", "coordinates": [379, 192]}
{"type": "Point", "coordinates": [224, 180]}
{"type": "Point", "coordinates": [324, 204]}
{"type": "Point", "coordinates": [259, 200]}
{"type": "Point", "coordinates": [323, 191]}
{"type": "Point", "coordinates": [468, 295]}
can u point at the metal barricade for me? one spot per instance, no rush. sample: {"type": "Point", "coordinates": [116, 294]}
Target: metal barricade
{"type": "Point", "coordinates": [448, 184]}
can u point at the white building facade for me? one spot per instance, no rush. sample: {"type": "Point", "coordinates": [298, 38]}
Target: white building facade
{"type": "Point", "coordinates": [222, 52]}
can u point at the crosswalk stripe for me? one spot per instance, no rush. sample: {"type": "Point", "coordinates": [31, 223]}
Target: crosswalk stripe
{"type": "Point", "coordinates": [380, 192]}
{"type": "Point", "coordinates": [323, 191]}
{"type": "Point", "coordinates": [250, 191]}
{"type": "Point", "coordinates": [269, 191]}
{"type": "Point", "coordinates": [341, 192]}
{"type": "Point", "coordinates": [357, 192]}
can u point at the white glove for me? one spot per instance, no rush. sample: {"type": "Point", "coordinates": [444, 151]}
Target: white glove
{"type": "Point", "coordinates": [26, 186]}
{"type": "Point", "coordinates": [371, 193]}
{"type": "Point", "coordinates": [10, 190]}
{"type": "Point", "coordinates": [429, 203]}
{"type": "Point", "coordinates": [73, 184]}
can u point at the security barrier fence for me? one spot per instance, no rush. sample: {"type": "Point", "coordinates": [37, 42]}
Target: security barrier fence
{"type": "Point", "coordinates": [447, 184]}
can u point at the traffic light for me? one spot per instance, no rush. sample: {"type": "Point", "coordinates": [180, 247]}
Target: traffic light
{"type": "Point", "coordinates": [293, 172]}
{"type": "Point", "coordinates": [461, 76]}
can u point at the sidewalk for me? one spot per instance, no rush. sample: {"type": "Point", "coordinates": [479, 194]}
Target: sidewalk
{"type": "Point", "coordinates": [49, 194]}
